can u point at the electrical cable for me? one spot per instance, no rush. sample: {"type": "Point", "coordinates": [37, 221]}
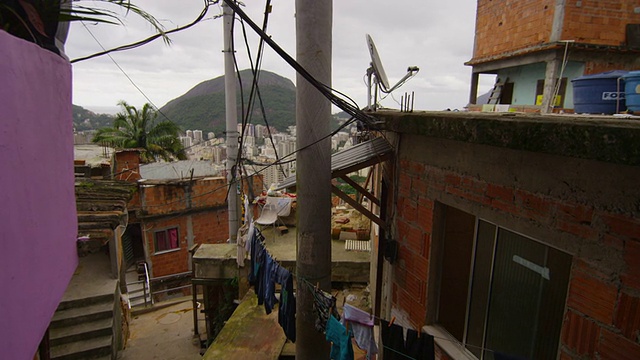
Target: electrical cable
{"type": "Point", "coordinates": [149, 39]}
{"type": "Point", "coordinates": [348, 108]}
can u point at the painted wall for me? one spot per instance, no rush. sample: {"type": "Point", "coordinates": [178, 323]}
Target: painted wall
{"type": "Point", "coordinates": [526, 77]}
{"type": "Point", "coordinates": [38, 212]}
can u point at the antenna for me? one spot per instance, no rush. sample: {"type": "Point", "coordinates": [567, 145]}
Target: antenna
{"type": "Point", "coordinates": [377, 71]}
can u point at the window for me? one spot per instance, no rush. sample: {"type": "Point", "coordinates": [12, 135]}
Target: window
{"type": "Point", "coordinates": [559, 100]}
{"type": "Point", "coordinates": [500, 290]}
{"type": "Point", "coordinates": [166, 239]}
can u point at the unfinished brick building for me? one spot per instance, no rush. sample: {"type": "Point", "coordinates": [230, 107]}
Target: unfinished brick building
{"type": "Point", "coordinates": [516, 234]}
{"type": "Point", "coordinates": [529, 44]}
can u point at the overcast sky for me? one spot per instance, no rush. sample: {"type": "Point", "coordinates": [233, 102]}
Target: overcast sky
{"type": "Point", "coordinates": [436, 36]}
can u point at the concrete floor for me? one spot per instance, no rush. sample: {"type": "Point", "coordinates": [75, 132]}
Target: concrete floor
{"type": "Point", "coordinates": [91, 278]}
{"type": "Point", "coordinates": [164, 333]}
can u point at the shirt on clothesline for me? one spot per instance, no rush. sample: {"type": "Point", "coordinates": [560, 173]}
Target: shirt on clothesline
{"type": "Point", "coordinates": [392, 341]}
{"type": "Point", "coordinates": [361, 324]}
{"type": "Point", "coordinates": [341, 339]}
{"type": "Point", "coordinates": [323, 303]}
{"type": "Point", "coordinates": [287, 308]}
{"type": "Point", "coordinates": [419, 348]}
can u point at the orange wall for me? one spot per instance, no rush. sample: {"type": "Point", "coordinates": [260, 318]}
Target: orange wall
{"type": "Point", "coordinates": [601, 22]}
{"type": "Point", "coordinates": [508, 25]}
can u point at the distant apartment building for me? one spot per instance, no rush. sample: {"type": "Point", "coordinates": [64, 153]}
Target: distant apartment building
{"type": "Point", "coordinates": [536, 47]}
{"type": "Point", "coordinates": [186, 141]}
{"type": "Point", "coordinates": [197, 136]}
{"type": "Point", "coordinates": [273, 175]}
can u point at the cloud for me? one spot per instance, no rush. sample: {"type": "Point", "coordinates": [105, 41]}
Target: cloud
{"type": "Point", "coordinates": [436, 36]}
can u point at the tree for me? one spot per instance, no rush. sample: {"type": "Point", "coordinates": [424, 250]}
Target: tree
{"type": "Point", "coordinates": [133, 128]}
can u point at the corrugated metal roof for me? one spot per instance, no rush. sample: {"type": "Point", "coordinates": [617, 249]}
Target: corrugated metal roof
{"type": "Point", "coordinates": [352, 159]}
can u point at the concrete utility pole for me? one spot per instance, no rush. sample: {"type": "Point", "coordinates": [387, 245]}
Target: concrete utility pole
{"type": "Point", "coordinates": [313, 113]}
{"type": "Point", "coordinates": [232, 121]}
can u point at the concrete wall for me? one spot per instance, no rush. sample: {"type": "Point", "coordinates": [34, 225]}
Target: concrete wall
{"type": "Point", "coordinates": [526, 77]}
{"type": "Point", "coordinates": [585, 207]}
{"type": "Point", "coordinates": [38, 213]}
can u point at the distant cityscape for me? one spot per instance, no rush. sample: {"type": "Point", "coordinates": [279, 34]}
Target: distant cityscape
{"type": "Point", "coordinates": [262, 146]}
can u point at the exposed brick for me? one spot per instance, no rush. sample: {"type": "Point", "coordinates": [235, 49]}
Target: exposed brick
{"type": "Point", "coordinates": [628, 316]}
{"type": "Point", "coordinates": [623, 226]}
{"type": "Point", "coordinates": [452, 179]}
{"type": "Point", "coordinates": [415, 240]}
{"type": "Point", "coordinates": [631, 275]}
{"type": "Point", "coordinates": [500, 192]}
{"type": "Point", "coordinates": [580, 334]}
{"type": "Point", "coordinates": [616, 347]}
{"type": "Point", "coordinates": [419, 186]}
{"type": "Point", "coordinates": [592, 296]}
{"type": "Point", "coordinates": [508, 207]}
{"type": "Point", "coordinates": [575, 213]}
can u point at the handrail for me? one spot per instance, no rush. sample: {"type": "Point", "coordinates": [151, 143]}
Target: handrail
{"type": "Point", "coordinates": [146, 275]}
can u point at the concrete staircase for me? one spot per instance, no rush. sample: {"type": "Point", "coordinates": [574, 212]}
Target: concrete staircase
{"type": "Point", "coordinates": [83, 329]}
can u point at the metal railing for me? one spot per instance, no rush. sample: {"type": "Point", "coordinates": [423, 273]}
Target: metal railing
{"type": "Point", "coordinates": [148, 293]}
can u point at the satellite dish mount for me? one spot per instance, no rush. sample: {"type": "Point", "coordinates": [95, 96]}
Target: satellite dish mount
{"type": "Point", "coordinates": [376, 77]}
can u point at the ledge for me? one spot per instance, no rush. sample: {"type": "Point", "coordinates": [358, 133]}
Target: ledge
{"type": "Point", "coordinates": [603, 138]}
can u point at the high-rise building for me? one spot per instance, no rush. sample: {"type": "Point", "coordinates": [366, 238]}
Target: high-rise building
{"type": "Point", "coordinates": [186, 141]}
{"type": "Point", "coordinates": [197, 136]}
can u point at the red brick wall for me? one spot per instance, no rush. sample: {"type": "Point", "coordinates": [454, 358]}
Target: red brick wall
{"type": "Point", "coordinates": [603, 306]}
{"type": "Point", "coordinates": [172, 262]}
{"type": "Point", "coordinates": [127, 165]}
{"type": "Point", "coordinates": [508, 25]}
{"type": "Point", "coordinates": [601, 22]}
{"type": "Point", "coordinates": [504, 26]}
{"type": "Point", "coordinates": [167, 204]}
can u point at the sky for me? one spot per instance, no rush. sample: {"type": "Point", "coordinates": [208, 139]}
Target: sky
{"type": "Point", "coordinates": [436, 36]}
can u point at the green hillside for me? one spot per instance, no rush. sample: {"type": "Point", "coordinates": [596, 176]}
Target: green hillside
{"type": "Point", "coordinates": [84, 119]}
{"type": "Point", "coordinates": [202, 107]}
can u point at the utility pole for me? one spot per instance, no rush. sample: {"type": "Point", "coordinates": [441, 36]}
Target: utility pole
{"type": "Point", "coordinates": [232, 122]}
{"type": "Point", "coordinates": [313, 113]}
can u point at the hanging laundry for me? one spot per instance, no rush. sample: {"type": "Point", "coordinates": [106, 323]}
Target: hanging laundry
{"type": "Point", "coordinates": [256, 247]}
{"type": "Point", "coordinates": [341, 339]}
{"type": "Point", "coordinates": [322, 304]}
{"type": "Point", "coordinates": [241, 240]}
{"type": "Point", "coordinates": [419, 348]}
{"type": "Point", "coordinates": [287, 308]}
{"type": "Point", "coordinates": [269, 288]}
{"type": "Point", "coordinates": [361, 324]}
{"type": "Point", "coordinates": [392, 341]}
{"type": "Point", "coordinates": [261, 259]}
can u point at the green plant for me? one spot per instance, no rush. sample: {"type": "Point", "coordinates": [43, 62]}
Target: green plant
{"type": "Point", "coordinates": [37, 20]}
{"type": "Point", "coordinates": [134, 128]}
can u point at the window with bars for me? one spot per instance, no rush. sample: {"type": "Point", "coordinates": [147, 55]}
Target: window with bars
{"type": "Point", "coordinates": [500, 291]}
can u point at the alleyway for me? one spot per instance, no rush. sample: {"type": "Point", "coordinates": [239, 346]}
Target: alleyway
{"type": "Point", "coordinates": [163, 334]}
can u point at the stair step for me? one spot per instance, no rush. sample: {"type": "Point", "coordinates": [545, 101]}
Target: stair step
{"type": "Point", "coordinates": [81, 331]}
{"type": "Point", "coordinates": [84, 349]}
{"type": "Point", "coordinates": [82, 314]}
{"type": "Point", "coordinates": [77, 303]}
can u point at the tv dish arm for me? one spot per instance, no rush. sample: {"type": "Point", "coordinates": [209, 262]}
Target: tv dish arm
{"type": "Point", "coordinates": [411, 72]}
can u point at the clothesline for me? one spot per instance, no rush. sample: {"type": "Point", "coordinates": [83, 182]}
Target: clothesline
{"type": "Point", "coordinates": [311, 286]}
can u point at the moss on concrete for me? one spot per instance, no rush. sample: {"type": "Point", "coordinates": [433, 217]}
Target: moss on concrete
{"type": "Point", "coordinates": [605, 139]}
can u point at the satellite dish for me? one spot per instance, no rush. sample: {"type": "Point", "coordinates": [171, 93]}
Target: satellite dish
{"type": "Point", "coordinates": [376, 70]}
{"type": "Point", "coordinates": [376, 63]}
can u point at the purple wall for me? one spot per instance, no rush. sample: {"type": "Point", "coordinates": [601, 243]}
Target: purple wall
{"type": "Point", "coordinates": [37, 201]}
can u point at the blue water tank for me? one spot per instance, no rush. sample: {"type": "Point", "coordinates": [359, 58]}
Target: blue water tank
{"type": "Point", "coordinates": [632, 90]}
{"type": "Point", "coordinates": [599, 93]}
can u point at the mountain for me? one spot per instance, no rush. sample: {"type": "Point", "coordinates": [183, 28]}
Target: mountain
{"type": "Point", "coordinates": [84, 119]}
{"type": "Point", "coordinates": [202, 107]}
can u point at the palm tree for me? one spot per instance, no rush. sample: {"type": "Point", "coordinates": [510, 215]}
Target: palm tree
{"type": "Point", "coordinates": [133, 128]}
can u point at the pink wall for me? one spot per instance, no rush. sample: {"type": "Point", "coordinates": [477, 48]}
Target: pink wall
{"type": "Point", "coordinates": [37, 201]}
